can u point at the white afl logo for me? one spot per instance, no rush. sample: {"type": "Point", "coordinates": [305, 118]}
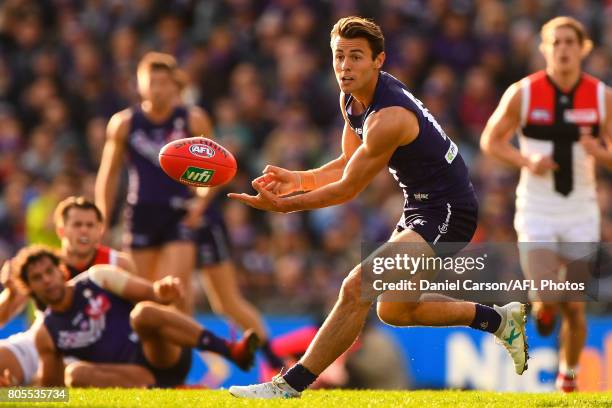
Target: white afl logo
{"type": "Point", "coordinates": [201, 150]}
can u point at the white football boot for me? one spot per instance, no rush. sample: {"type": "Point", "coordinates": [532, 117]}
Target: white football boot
{"type": "Point", "coordinates": [275, 389]}
{"type": "Point", "coordinates": [511, 333]}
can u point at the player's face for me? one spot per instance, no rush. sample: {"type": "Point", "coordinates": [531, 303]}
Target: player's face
{"type": "Point", "coordinates": [158, 87]}
{"type": "Point", "coordinates": [353, 63]}
{"type": "Point", "coordinates": [46, 281]}
{"type": "Point", "coordinates": [562, 50]}
{"type": "Point", "coordinates": [81, 232]}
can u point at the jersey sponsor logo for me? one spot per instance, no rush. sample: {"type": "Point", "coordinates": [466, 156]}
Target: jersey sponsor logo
{"type": "Point", "coordinates": [196, 175]}
{"type": "Point", "coordinates": [201, 150]}
{"type": "Point", "coordinates": [421, 196]}
{"type": "Point", "coordinates": [451, 153]}
{"type": "Point", "coordinates": [580, 116]}
{"type": "Point", "coordinates": [540, 115]}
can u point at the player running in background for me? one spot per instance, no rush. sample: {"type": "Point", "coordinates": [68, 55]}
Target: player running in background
{"type": "Point", "coordinates": [117, 325]}
{"type": "Point", "coordinates": [161, 214]}
{"type": "Point", "coordinates": [78, 224]}
{"type": "Point", "coordinates": [561, 117]}
{"type": "Point", "coordinates": [164, 218]}
{"type": "Point", "coordinates": [385, 125]}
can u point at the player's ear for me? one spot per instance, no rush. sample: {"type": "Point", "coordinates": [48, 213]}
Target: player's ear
{"type": "Point", "coordinates": [379, 60]}
{"type": "Point", "coordinates": [59, 230]}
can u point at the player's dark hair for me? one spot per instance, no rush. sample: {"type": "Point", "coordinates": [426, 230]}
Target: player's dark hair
{"type": "Point", "coordinates": [359, 27]}
{"type": "Point", "coordinates": [62, 210]}
{"type": "Point", "coordinates": [28, 256]}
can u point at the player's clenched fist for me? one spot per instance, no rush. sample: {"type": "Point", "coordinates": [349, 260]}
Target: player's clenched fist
{"type": "Point", "coordinates": [540, 165]}
{"type": "Point", "coordinates": [279, 181]}
{"type": "Point", "coordinates": [168, 289]}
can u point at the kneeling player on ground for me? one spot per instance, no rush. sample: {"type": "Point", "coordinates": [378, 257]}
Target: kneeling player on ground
{"type": "Point", "coordinates": [78, 223]}
{"type": "Point", "coordinates": [117, 325]}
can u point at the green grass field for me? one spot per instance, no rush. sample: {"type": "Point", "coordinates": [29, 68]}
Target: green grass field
{"type": "Point", "coordinates": [344, 399]}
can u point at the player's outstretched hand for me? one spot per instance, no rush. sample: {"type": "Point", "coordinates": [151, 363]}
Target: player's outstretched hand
{"type": "Point", "coordinates": [265, 200]}
{"type": "Point", "coordinates": [279, 181]}
{"type": "Point", "coordinates": [540, 165]}
{"type": "Point", "coordinates": [167, 290]}
{"type": "Point", "coordinates": [6, 278]}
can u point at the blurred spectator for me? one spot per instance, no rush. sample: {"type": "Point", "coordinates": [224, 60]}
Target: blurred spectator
{"type": "Point", "coordinates": [40, 227]}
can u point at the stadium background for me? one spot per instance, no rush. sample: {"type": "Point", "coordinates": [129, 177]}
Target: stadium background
{"type": "Point", "coordinates": [262, 69]}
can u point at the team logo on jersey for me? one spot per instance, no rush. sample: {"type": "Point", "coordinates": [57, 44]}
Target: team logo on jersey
{"type": "Point", "coordinates": [97, 306]}
{"type": "Point", "coordinates": [201, 150]}
{"type": "Point", "coordinates": [580, 116]}
{"type": "Point", "coordinates": [421, 196]}
{"type": "Point", "coordinates": [196, 175]}
{"type": "Point", "coordinates": [540, 115]}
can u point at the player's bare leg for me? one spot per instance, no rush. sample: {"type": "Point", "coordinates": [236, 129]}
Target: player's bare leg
{"type": "Point", "coordinates": [571, 339]}
{"type": "Point", "coordinates": [145, 261]}
{"type": "Point", "coordinates": [347, 318]}
{"type": "Point", "coordinates": [84, 374]}
{"type": "Point", "coordinates": [226, 300]}
{"type": "Point", "coordinates": [177, 258]}
{"type": "Point", "coordinates": [541, 264]}
{"type": "Point", "coordinates": [164, 331]}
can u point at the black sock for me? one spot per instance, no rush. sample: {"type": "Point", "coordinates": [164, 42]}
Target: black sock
{"type": "Point", "coordinates": [486, 319]}
{"type": "Point", "coordinates": [299, 377]}
{"type": "Point", "coordinates": [210, 342]}
{"type": "Point", "coordinates": [274, 360]}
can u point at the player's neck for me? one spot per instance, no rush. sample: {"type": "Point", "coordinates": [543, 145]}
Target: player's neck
{"type": "Point", "coordinates": [564, 80]}
{"type": "Point", "coordinates": [156, 113]}
{"type": "Point", "coordinates": [365, 95]}
{"type": "Point", "coordinates": [77, 260]}
{"type": "Point", "coordinates": [66, 301]}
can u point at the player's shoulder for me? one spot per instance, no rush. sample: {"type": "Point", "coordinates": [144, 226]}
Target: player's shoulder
{"type": "Point", "coordinates": [392, 126]}
{"type": "Point", "coordinates": [119, 123]}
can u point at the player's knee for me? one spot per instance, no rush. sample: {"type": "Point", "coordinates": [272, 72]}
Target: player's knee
{"type": "Point", "coordinates": [350, 292]}
{"type": "Point", "coordinates": [143, 315]}
{"type": "Point", "coordinates": [76, 374]}
{"type": "Point", "coordinates": [574, 311]}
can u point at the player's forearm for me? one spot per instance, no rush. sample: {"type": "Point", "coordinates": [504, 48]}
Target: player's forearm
{"type": "Point", "coordinates": [331, 194]}
{"type": "Point", "coordinates": [130, 287]}
{"type": "Point", "coordinates": [505, 152]}
{"type": "Point", "coordinates": [322, 176]}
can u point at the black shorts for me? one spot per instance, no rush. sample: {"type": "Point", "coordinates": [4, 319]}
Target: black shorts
{"type": "Point", "coordinates": [212, 243]}
{"type": "Point", "coordinates": [173, 376]}
{"type": "Point", "coordinates": [154, 225]}
{"type": "Point", "coordinates": [447, 228]}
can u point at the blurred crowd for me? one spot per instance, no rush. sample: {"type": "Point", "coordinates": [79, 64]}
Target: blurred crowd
{"type": "Point", "coordinates": [262, 69]}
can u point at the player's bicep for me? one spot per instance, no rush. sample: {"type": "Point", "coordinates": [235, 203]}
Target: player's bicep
{"type": "Point", "coordinates": [350, 141]}
{"type": "Point", "coordinates": [364, 165]}
{"type": "Point", "coordinates": [505, 119]}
